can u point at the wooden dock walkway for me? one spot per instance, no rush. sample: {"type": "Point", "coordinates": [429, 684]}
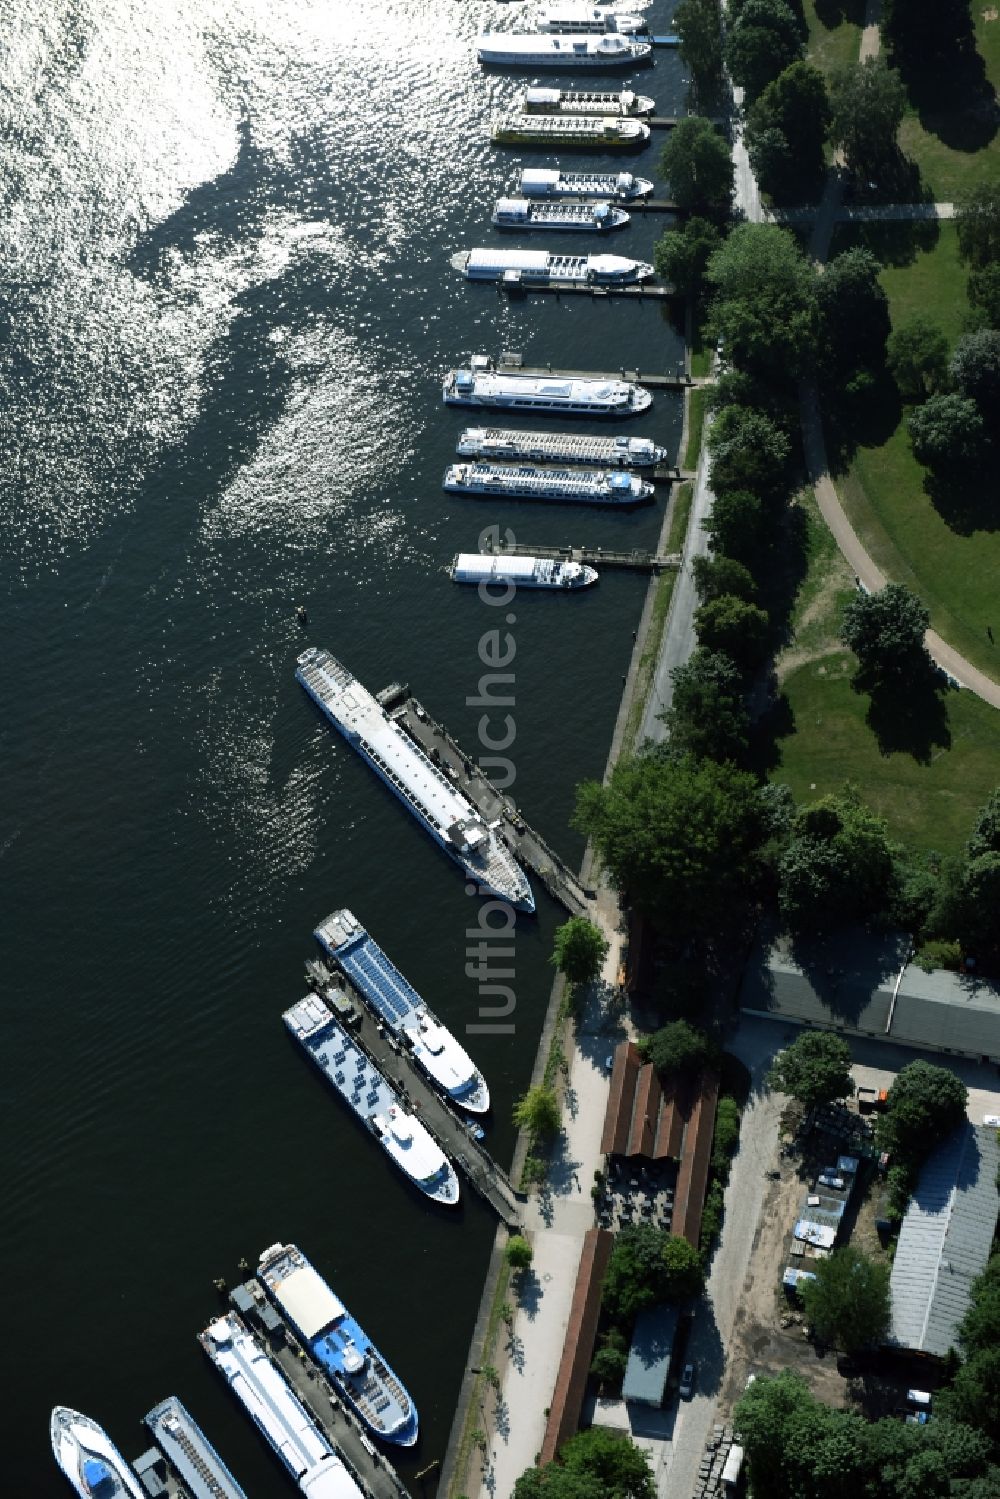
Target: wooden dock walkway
{"type": "Point", "coordinates": [635, 560]}
{"type": "Point", "coordinates": [653, 381]}
{"type": "Point", "coordinates": [527, 845]}
{"type": "Point", "coordinates": [374, 1473]}
{"type": "Point", "coordinates": [447, 1125]}
{"type": "Point", "coordinates": [585, 289]}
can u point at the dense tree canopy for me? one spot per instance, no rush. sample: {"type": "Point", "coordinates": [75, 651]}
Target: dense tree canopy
{"type": "Point", "coordinates": [682, 254]}
{"type": "Point", "coordinates": [917, 356]}
{"type": "Point", "coordinates": [854, 310]}
{"type": "Point", "coordinates": [749, 451]}
{"type": "Point", "coordinates": [699, 26]}
{"type": "Point", "coordinates": [538, 1111]}
{"type": "Point", "coordinates": [848, 1302]}
{"type": "Point", "coordinates": [885, 630]}
{"type": "Point", "coordinates": [580, 948]}
{"type": "Point", "coordinates": [867, 104]}
{"type": "Point", "coordinates": [765, 301]}
{"type": "Point", "coordinates": [764, 39]}
{"type": "Point", "coordinates": [925, 1105]}
{"type": "Point", "coordinates": [739, 630]}
{"type": "Point", "coordinates": [637, 1274]}
{"type": "Point", "coordinates": [594, 1464]}
{"type": "Point", "coordinates": [680, 836]}
{"type": "Point", "coordinates": [947, 431]}
{"type": "Point", "coordinates": [978, 221]}
{"type": "Point", "coordinates": [975, 369]}
{"type": "Point", "coordinates": [685, 1276]}
{"type": "Point", "coordinates": [697, 163]}
{"type": "Point", "coordinates": [679, 1050]}
{"type": "Point", "coordinates": [708, 717]}
{"type": "Point", "coordinates": [836, 863]}
{"type": "Point", "coordinates": [715, 576]}
{"type": "Point", "coordinates": [518, 1252]}
{"type": "Point", "coordinates": [739, 526]}
{"type": "Point", "coordinates": [815, 1068]}
{"type": "Point", "coordinates": [984, 293]}
{"type": "Point", "coordinates": [786, 129]}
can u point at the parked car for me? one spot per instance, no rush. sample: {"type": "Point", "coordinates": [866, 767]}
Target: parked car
{"type": "Point", "coordinates": [831, 1179]}
{"type": "Point", "coordinates": [686, 1387]}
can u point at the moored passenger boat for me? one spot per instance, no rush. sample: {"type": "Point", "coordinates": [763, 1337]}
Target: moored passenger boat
{"type": "Point", "coordinates": [545, 182]}
{"type": "Point", "coordinates": [522, 213]}
{"type": "Point", "coordinates": [542, 267]}
{"type": "Point", "coordinates": [529, 482]}
{"type": "Point", "coordinates": [90, 1459]}
{"type": "Point", "coordinates": [543, 50]}
{"type": "Point", "coordinates": [572, 18]}
{"type": "Point", "coordinates": [560, 447]}
{"type": "Point", "coordinates": [569, 132]}
{"type": "Point", "coordinates": [563, 101]}
{"type": "Point", "coordinates": [521, 572]}
{"type": "Point", "coordinates": [482, 384]}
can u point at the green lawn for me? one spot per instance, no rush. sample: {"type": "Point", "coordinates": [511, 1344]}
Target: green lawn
{"type": "Point", "coordinates": [698, 400]}
{"type": "Point", "coordinates": [945, 170]}
{"type": "Point", "coordinates": [883, 492]}
{"type": "Point", "coordinates": [926, 805]}
{"type": "Point", "coordinates": [833, 40]}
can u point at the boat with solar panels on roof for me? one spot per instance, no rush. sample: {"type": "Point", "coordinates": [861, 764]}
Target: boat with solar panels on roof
{"type": "Point", "coordinates": [396, 1003]}
{"type": "Point", "coordinates": [452, 821]}
{"type": "Point", "coordinates": [191, 1453]}
{"type": "Point", "coordinates": [338, 1344]}
{"type": "Point", "coordinates": [345, 1063]}
{"type": "Point", "coordinates": [90, 1459]}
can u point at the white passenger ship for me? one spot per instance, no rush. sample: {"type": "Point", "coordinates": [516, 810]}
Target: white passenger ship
{"type": "Point", "coordinates": [529, 482]}
{"type": "Point", "coordinates": [521, 572]}
{"type": "Point", "coordinates": [591, 132]}
{"type": "Point", "coordinates": [545, 50]}
{"type": "Point", "coordinates": [543, 268]}
{"type": "Point", "coordinates": [482, 384]}
{"type": "Point", "coordinates": [440, 807]}
{"type": "Point", "coordinates": [521, 213]}
{"type": "Point", "coordinates": [563, 101]}
{"type": "Point", "coordinates": [573, 19]}
{"type": "Point", "coordinates": [546, 182]}
{"type": "Point", "coordinates": [560, 447]}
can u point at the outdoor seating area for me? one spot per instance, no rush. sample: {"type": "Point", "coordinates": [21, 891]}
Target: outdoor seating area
{"type": "Point", "coordinates": [635, 1192]}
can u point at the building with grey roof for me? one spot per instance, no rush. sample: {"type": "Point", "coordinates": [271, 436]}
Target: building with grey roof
{"type": "Point", "coordinates": [649, 1356]}
{"type": "Point", "coordinates": [944, 1241]}
{"type": "Point", "coordinates": [861, 984]}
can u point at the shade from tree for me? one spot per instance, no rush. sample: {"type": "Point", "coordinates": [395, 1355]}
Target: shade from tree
{"type": "Point", "coordinates": [815, 1069]}
{"type": "Point", "coordinates": [764, 39]}
{"type": "Point", "coordinates": [885, 630]}
{"type": "Point", "coordinates": [785, 131]}
{"type": "Point", "coordinates": [764, 306]}
{"type": "Point", "coordinates": [867, 104]}
{"type": "Point", "coordinates": [739, 527]}
{"type": "Point", "coordinates": [715, 576]}
{"type": "Point", "coordinates": [682, 254]}
{"type": "Point", "coordinates": [984, 294]}
{"type": "Point", "coordinates": [925, 1105]}
{"type": "Point", "coordinates": [681, 836]}
{"type": "Point", "coordinates": [608, 1367]}
{"type": "Point", "coordinates": [947, 431]}
{"type": "Point", "coordinates": [696, 162]}
{"type": "Point", "coordinates": [917, 357]}
{"type": "Point", "coordinates": [708, 717]}
{"type": "Point", "coordinates": [684, 1272]}
{"type": "Point", "coordinates": [977, 218]}
{"type": "Point", "coordinates": [579, 949]}
{"type": "Point", "coordinates": [848, 1302]}
{"type": "Point", "coordinates": [975, 369]}
{"type": "Point", "coordinates": [739, 630]}
{"type": "Point", "coordinates": [699, 26]}
{"type": "Point", "coordinates": [854, 310]}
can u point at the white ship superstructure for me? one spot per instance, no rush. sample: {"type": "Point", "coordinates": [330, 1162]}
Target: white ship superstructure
{"type": "Point", "coordinates": [570, 18]}
{"type": "Point", "coordinates": [542, 267]}
{"type": "Point", "coordinates": [560, 447]}
{"type": "Point", "coordinates": [345, 1064]}
{"type": "Point", "coordinates": [565, 132]}
{"type": "Point", "coordinates": [522, 213]}
{"type": "Point", "coordinates": [482, 384]}
{"type": "Point", "coordinates": [89, 1458]}
{"type": "Point", "coordinates": [521, 572]}
{"type": "Point", "coordinates": [269, 1400]}
{"type": "Point", "coordinates": [584, 102]}
{"type": "Point", "coordinates": [530, 482]}
{"type": "Point", "coordinates": [546, 50]}
{"type": "Point", "coordinates": [547, 182]}
{"type": "Point", "coordinates": [448, 815]}
{"type": "Point", "coordinates": [177, 1433]}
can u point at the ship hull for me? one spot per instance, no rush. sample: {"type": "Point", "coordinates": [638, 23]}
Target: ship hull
{"type": "Point", "coordinates": [499, 491]}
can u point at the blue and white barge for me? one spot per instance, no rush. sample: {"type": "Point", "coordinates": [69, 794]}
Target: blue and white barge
{"type": "Point", "coordinates": [338, 1344]}
{"type": "Point", "coordinates": [269, 1400]}
{"type": "Point", "coordinates": [398, 1005]}
{"type": "Point", "coordinates": [448, 816]}
{"type": "Point", "coordinates": [182, 1440]}
{"type": "Point", "coordinates": [350, 1069]}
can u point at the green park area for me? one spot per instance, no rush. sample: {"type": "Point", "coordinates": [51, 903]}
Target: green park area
{"type": "Point", "coordinates": [825, 739]}
{"type": "Point", "coordinates": [834, 32]}
{"type": "Point", "coordinates": [949, 157]}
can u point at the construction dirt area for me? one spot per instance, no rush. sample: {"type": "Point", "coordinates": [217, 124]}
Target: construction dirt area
{"type": "Point", "coordinates": [769, 1333]}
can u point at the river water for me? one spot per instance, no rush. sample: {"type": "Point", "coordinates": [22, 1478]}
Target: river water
{"type": "Point", "coordinates": [227, 307]}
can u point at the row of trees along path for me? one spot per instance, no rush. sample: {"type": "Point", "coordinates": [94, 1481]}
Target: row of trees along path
{"type": "Point", "coordinates": [814, 444]}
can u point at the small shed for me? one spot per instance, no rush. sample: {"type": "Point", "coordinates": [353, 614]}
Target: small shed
{"type": "Point", "coordinates": [649, 1356]}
